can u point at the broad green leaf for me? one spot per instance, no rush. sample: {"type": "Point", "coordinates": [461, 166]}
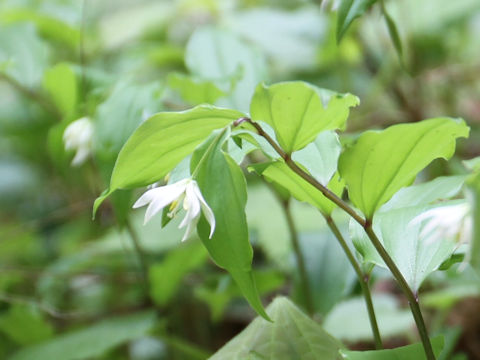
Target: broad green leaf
{"type": "Point", "coordinates": [16, 41]}
{"type": "Point", "coordinates": [61, 83]}
{"type": "Point", "coordinates": [441, 188]}
{"type": "Point", "coordinates": [48, 26]}
{"type": "Point", "coordinates": [348, 11]}
{"type": "Point", "coordinates": [280, 173]}
{"type": "Point", "coordinates": [224, 188]}
{"type": "Point", "coordinates": [321, 156]}
{"type": "Point", "coordinates": [194, 91]}
{"type": "Point", "coordinates": [25, 325]}
{"type": "Point", "coordinates": [161, 142]}
{"type": "Point", "coordinates": [236, 68]}
{"type": "Point", "coordinates": [348, 318]}
{"type": "Point", "coordinates": [165, 277]}
{"type": "Point", "coordinates": [415, 252]}
{"type": "Point", "coordinates": [329, 272]}
{"type": "Point", "coordinates": [382, 162]}
{"type": "Point", "coordinates": [291, 335]}
{"type": "Point", "coordinates": [409, 352]}
{"type": "Point", "coordinates": [90, 342]}
{"type": "Point", "coordinates": [298, 112]}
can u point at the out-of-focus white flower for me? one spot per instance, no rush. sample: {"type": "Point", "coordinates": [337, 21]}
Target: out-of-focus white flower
{"type": "Point", "coordinates": [185, 190]}
{"type": "Point", "coordinates": [446, 222]}
{"type": "Point", "coordinates": [78, 136]}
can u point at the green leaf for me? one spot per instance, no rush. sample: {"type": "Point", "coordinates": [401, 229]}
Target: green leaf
{"type": "Point", "coordinates": [298, 112]}
{"type": "Point", "coordinates": [90, 342]}
{"type": "Point", "coordinates": [224, 188]}
{"type": "Point", "coordinates": [194, 91]}
{"type": "Point", "coordinates": [61, 83]}
{"type": "Point", "coordinates": [321, 156]}
{"type": "Point", "coordinates": [48, 26]}
{"type": "Point", "coordinates": [280, 173]}
{"type": "Point", "coordinates": [16, 41]}
{"type": "Point", "coordinates": [165, 277]}
{"type": "Point", "coordinates": [120, 114]}
{"type": "Point", "coordinates": [415, 253]}
{"type": "Point", "coordinates": [348, 318]}
{"type": "Point", "coordinates": [291, 335]}
{"type": "Point", "coordinates": [220, 56]}
{"type": "Point", "coordinates": [25, 325]}
{"type": "Point", "coordinates": [382, 162]}
{"type": "Point", "coordinates": [439, 189]}
{"type": "Point", "coordinates": [161, 142]}
{"type": "Point", "coordinates": [348, 11]}
{"type": "Point", "coordinates": [393, 32]}
{"type": "Point", "coordinates": [409, 352]}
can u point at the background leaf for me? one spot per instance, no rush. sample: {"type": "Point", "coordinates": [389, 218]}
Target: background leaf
{"type": "Point", "coordinates": [382, 162]}
{"type": "Point", "coordinates": [348, 11]}
{"type": "Point", "coordinates": [61, 83]}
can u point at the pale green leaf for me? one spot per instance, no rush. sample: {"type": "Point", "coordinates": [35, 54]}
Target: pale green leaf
{"type": "Point", "coordinates": [298, 112]}
{"type": "Point", "coordinates": [194, 91]}
{"type": "Point", "coordinates": [320, 157]}
{"type": "Point", "coordinates": [61, 83]}
{"type": "Point", "coordinates": [218, 55]}
{"type": "Point", "coordinates": [92, 341]}
{"type": "Point", "coordinates": [382, 162]}
{"type": "Point", "coordinates": [409, 352]}
{"type": "Point", "coordinates": [415, 253]}
{"type": "Point", "coordinates": [280, 173]}
{"type": "Point", "coordinates": [161, 142]}
{"type": "Point", "coordinates": [291, 335]}
{"type": "Point", "coordinates": [348, 11]}
{"type": "Point", "coordinates": [165, 277]}
{"type": "Point", "coordinates": [25, 325]}
{"type": "Point", "coordinates": [348, 318]}
{"type": "Point", "coordinates": [224, 188]}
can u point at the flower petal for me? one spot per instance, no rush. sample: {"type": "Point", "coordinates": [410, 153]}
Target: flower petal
{"type": "Point", "coordinates": [207, 211]}
{"type": "Point", "coordinates": [191, 205]}
{"type": "Point", "coordinates": [191, 226]}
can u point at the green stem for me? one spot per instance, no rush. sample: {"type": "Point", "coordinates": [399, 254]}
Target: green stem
{"type": "Point", "coordinates": [363, 280]}
{"type": "Point", "coordinates": [367, 225]}
{"type": "Point", "coordinates": [411, 297]}
{"type": "Point", "coordinates": [299, 256]}
{"type": "Point", "coordinates": [142, 258]}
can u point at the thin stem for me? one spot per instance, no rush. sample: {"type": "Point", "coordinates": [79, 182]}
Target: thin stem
{"type": "Point", "coordinates": [367, 225]}
{"type": "Point", "coordinates": [363, 280]}
{"type": "Point", "coordinates": [305, 283]}
{"type": "Point", "coordinates": [411, 297]}
{"type": "Point", "coordinates": [142, 258]}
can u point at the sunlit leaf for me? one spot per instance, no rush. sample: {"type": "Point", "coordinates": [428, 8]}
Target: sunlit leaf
{"type": "Point", "coordinates": [161, 142]}
{"type": "Point", "coordinates": [194, 91]}
{"type": "Point", "coordinates": [382, 162]}
{"type": "Point", "coordinates": [291, 335]}
{"type": "Point", "coordinates": [298, 112]}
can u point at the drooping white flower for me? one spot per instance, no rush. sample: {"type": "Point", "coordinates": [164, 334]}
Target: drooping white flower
{"type": "Point", "coordinates": [78, 136]}
{"type": "Point", "coordinates": [185, 190]}
{"type": "Point", "coordinates": [446, 222]}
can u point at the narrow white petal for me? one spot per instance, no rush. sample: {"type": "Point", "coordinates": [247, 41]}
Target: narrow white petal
{"type": "Point", "coordinates": [81, 155]}
{"type": "Point", "coordinates": [207, 211]}
{"type": "Point", "coordinates": [190, 228]}
{"type": "Point", "coordinates": [191, 205]}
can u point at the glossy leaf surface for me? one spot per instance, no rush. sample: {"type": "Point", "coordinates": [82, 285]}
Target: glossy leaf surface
{"type": "Point", "coordinates": [382, 162]}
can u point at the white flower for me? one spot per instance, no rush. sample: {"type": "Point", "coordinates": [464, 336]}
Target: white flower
{"type": "Point", "coordinates": [78, 136]}
{"type": "Point", "coordinates": [446, 222]}
{"type": "Point", "coordinates": [185, 190]}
